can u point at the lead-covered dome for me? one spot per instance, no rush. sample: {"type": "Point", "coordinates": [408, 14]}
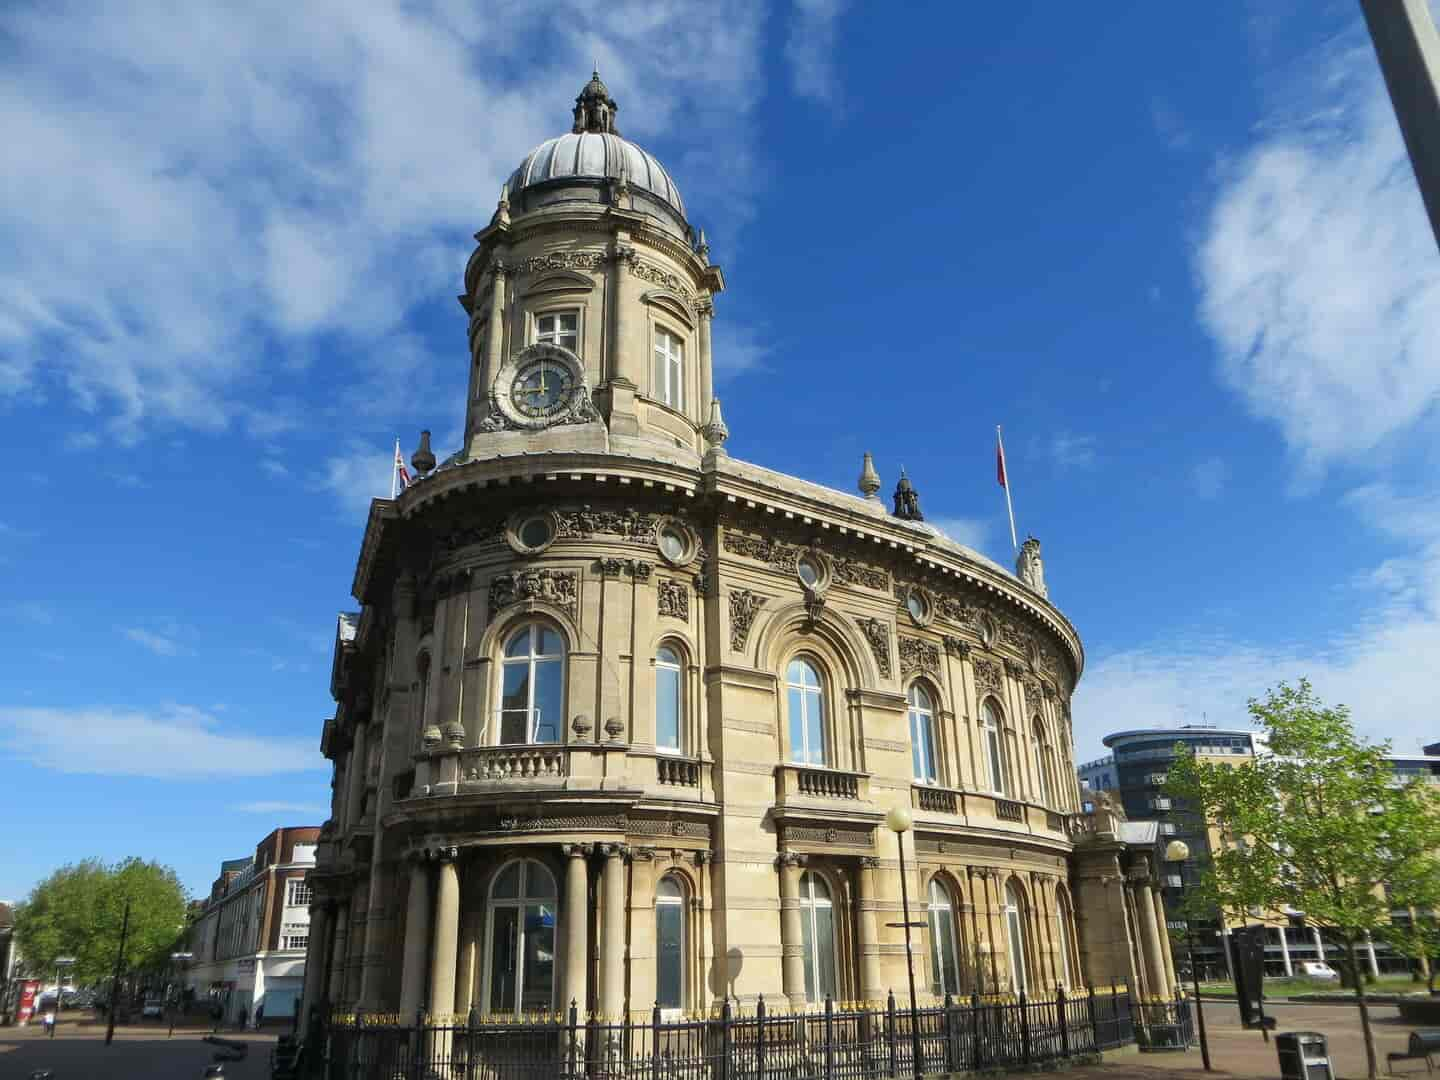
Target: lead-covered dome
{"type": "Point", "coordinates": [593, 159]}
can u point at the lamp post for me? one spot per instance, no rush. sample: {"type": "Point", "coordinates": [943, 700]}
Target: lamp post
{"type": "Point", "coordinates": [178, 960]}
{"type": "Point", "coordinates": [60, 961]}
{"type": "Point", "coordinates": [899, 821]}
{"type": "Point", "coordinates": [1177, 851]}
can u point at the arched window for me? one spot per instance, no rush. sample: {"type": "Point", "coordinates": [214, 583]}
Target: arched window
{"type": "Point", "coordinates": [669, 700]}
{"type": "Point", "coordinates": [994, 755]}
{"type": "Point", "coordinates": [817, 936]}
{"type": "Point", "coordinates": [806, 701]}
{"type": "Point", "coordinates": [1015, 941]}
{"type": "Point", "coordinates": [1068, 961]}
{"type": "Point", "coordinates": [944, 947]}
{"type": "Point", "coordinates": [1043, 758]}
{"type": "Point", "coordinates": [521, 939]}
{"type": "Point", "coordinates": [922, 735]}
{"type": "Point", "coordinates": [670, 943]}
{"type": "Point", "coordinates": [669, 369]}
{"type": "Point", "coordinates": [532, 689]}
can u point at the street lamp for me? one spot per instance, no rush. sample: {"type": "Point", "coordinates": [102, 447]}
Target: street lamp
{"type": "Point", "coordinates": [1177, 851]}
{"type": "Point", "coordinates": [60, 961]}
{"type": "Point", "coordinates": [177, 992]}
{"type": "Point", "coordinates": [898, 820]}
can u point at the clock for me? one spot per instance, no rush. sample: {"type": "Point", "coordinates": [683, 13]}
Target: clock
{"type": "Point", "coordinates": [540, 386]}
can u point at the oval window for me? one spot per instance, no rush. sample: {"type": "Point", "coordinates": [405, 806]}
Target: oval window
{"type": "Point", "coordinates": [536, 532]}
{"type": "Point", "coordinates": [672, 543]}
{"type": "Point", "coordinates": [917, 606]}
{"type": "Point", "coordinates": [809, 571]}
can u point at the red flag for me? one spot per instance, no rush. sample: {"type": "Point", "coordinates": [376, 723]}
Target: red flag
{"type": "Point", "coordinates": [999, 460]}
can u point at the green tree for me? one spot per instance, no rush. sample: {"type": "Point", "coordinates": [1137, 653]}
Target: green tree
{"type": "Point", "coordinates": [77, 911]}
{"type": "Point", "coordinates": [1317, 823]}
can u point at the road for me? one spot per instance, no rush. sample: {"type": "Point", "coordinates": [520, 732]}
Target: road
{"type": "Point", "coordinates": [78, 1052]}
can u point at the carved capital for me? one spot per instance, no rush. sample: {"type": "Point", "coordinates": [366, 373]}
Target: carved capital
{"type": "Point", "coordinates": [1014, 668]}
{"type": "Point", "coordinates": [642, 854]}
{"type": "Point", "coordinates": [614, 851]}
{"type": "Point", "coordinates": [576, 851]}
{"type": "Point", "coordinates": [956, 646]}
{"type": "Point", "coordinates": [704, 858]}
{"type": "Point", "coordinates": [869, 862]}
{"type": "Point", "coordinates": [790, 859]}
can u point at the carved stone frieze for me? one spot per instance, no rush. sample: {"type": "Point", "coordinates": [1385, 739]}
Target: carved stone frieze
{"type": "Point", "coordinates": [584, 523]}
{"type": "Point", "coordinates": [854, 572]}
{"type": "Point", "coordinates": [878, 635]}
{"type": "Point", "coordinates": [674, 599]}
{"type": "Point", "coordinates": [699, 830]}
{"type": "Point", "coordinates": [656, 276]}
{"type": "Point", "coordinates": [987, 677]}
{"type": "Point", "coordinates": [813, 835]}
{"type": "Point", "coordinates": [743, 606]}
{"type": "Point", "coordinates": [917, 655]}
{"type": "Point", "coordinates": [560, 260]}
{"type": "Point", "coordinates": [471, 534]}
{"type": "Point", "coordinates": [1014, 668]}
{"type": "Point", "coordinates": [956, 646]}
{"type": "Point", "coordinates": [766, 549]}
{"type": "Point", "coordinates": [558, 587]}
{"type": "Point", "coordinates": [567, 823]}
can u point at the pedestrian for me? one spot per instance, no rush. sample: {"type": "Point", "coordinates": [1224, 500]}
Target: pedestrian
{"type": "Point", "coordinates": [216, 1014]}
{"type": "Point", "coordinates": [259, 1015]}
{"type": "Point", "coordinates": [244, 1015]}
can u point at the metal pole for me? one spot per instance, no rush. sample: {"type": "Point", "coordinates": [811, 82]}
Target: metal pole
{"type": "Point", "coordinates": [1199, 1007]}
{"type": "Point", "coordinates": [115, 981]}
{"type": "Point", "coordinates": [915, 1051]}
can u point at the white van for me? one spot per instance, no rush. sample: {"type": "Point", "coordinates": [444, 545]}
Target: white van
{"type": "Point", "coordinates": [1309, 969]}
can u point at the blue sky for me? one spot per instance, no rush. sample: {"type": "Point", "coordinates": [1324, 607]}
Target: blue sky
{"type": "Point", "coordinates": [1182, 260]}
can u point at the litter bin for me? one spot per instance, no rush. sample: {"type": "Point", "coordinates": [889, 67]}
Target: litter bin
{"type": "Point", "coordinates": [1304, 1055]}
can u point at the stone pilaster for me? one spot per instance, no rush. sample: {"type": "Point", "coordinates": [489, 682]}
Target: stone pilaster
{"type": "Point", "coordinates": [870, 988]}
{"type": "Point", "coordinates": [1150, 944]}
{"type": "Point", "coordinates": [1166, 955]}
{"type": "Point", "coordinates": [612, 932]}
{"type": "Point", "coordinates": [417, 940]}
{"type": "Point", "coordinates": [792, 951]}
{"type": "Point", "coordinates": [577, 923]}
{"type": "Point", "coordinates": [338, 954]}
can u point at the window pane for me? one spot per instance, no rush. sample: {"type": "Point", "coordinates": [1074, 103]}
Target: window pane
{"type": "Point", "coordinates": [519, 644]}
{"type": "Point", "coordinates": [539, 958]}
{"type": "Point", "coordinates": [507, 885]}
{"type": "Point", "coordinates": [927, 748]}
{"type": "Point", "coordinates": [795, 673]}
{"type": "Point", "coordinates": [502, 959]}
{"type": "Point", "coordinates": [937, 972]}
{"type": "Point", "coordinates": [997, 772]}
{"type": "Point", "coordinates": [807, 949]}
{"type": "Point", "coordinates": [659, 374]}
{"type": "Point", "coordinates": [548, 700]}
{"type": "Point", "coordinates": [949, 962]}
{"type": "Point", "coordinates": [797, 724]}
{"type": "Point", "coordinates": [915, 766]}
{"type": "Point", "coordinates": [669, 891]}
{"type": "Point", "coordinates": [669, 957]}
{"type": "Point", "coordinates": [825, 942]}
{"type": "Point", "coordinates": [539, 884]}
{"type": "Point", "coordinates": [815, 726]}
{"type": "Point", "coordinates": [667, 708]}
{"type": "Point", "coordinates": [568, 323]}
{"type": "Point", "coordinates": [549, 644]}
{"type": "Point", "coordinates": [1017, 948]}
{"type": "Point", "coordinates": [667, 655]}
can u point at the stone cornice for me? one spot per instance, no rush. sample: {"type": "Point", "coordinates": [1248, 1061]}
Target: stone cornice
{"type": "Point", "coordinates": [381, 511]}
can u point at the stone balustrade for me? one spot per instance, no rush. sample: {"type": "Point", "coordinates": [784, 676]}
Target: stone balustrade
{"type": "Point", "coordinates": [936, 800]}
{"type": "Point", "coordinates": [678, 772]}
{"type": "Point", "coordinates": [810, 782]}
{"type": "Point", "coordinates": [1009, 810]}
{"type": "Point", "coordinates": [501, 764]}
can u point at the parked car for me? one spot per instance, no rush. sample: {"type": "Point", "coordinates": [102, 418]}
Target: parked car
{"type": "Point", "coordinates": [1319, 972]}
{"type": "Point", "coordinates": [154, 1009]}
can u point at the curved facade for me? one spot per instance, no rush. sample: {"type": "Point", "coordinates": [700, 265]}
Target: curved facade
{"type": "Point", "coordinates": [621, 716]}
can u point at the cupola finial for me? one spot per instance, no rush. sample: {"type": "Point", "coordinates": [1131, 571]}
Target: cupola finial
{"type": "Point", "coordinates": [869, 479]}
{"type": "Point", "coordinates": [907, 499]}
{"type": "Point", "coordinates": [595, 109]}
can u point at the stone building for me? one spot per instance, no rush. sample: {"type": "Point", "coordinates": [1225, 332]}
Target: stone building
{"type": "Point", "coordinates": [621, 716]}
{"type": "Point", "coordinates": [248, 940]}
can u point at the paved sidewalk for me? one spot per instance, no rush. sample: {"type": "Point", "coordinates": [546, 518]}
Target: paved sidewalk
{"type": "Point", "coordinates": [78, 1052]}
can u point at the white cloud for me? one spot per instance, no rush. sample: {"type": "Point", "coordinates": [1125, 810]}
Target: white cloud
{"type": "Point", "coordinates": [359, 473]}
{"type": "Point", "coordinates": [258, 184]}
{"type": "Point", "coordinates": [1071, 451]}
{"type": "Point", "coordinates": [311, 809]}
{"type": "Point", "coordinates": [168, 743]}
{"type": "Point", "coordinates": [159, 644]}
{"type": "Point", "coordinates": [972, 532]}
{"type": "Point", "coordinates": [1208, 477]}
{"type": "Point", "coordinates": [1319, 282]}
{"type": "Point", "coordinates": [810, 47]}
{"type": "Point", "coordinates": [737, 348]}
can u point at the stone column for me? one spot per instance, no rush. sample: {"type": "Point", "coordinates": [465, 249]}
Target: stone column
{"type": "Point", "coordinates": [417, 941]}
{"type": "Point", "coordinates": [1150, 947]}
{"type": "Point", "coordinates": [355, 776]}
{"type": "Point", "coordinates": [1172, 983]}
{"type": "Point", "coordinates": [705, 309]}
{"type": "Point", "coordinates": [1285, 952]}
{"type": "Point", "coordinates": [612, 932]}
{"type": "Point", "coordinates": [447, 936]}
{"type": "Point", "coordinates": [379, 919]}
{"type": "Point", "coordinates": [577, 922]}
{"type": "Point", "coordinates": [337, 955]}
{"type": "Point", "coordinates": [316, 984]}
{"type": "Point", "coordinates": [991, 888]}
{"type": "Point", "coordinates": [870, 987]}
{"type": "Point", "coordinates": [470, 930]}
{"type": "Point", "coordinates": [625, 366]}
{"type": "Point", "coordinates": [1320, 943]}
{"type": "Point", "coordinates": [1375, 964]}
{"type": "Point", "coordinates": [792, 947]}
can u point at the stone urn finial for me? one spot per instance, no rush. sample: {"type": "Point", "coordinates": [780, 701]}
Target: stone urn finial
{"type": "Point", "coordinates": [581, 726]}
{"type": "Point", "coordinates": [869, 479]}
{"type": "Point", "coordinates": [430, 737]}
{"type": "Point", "coordinates": [614, 728]}
{"type": "Point", "coordinates": [715, 431]}
{"type": "Point", "coordinates": [423, 459]}
{"type": "Point", "coordinates": [454, 734]}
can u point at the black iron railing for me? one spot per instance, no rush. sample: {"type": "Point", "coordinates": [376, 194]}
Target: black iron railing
{"type": "Point", "coordinates": [839, 1041]}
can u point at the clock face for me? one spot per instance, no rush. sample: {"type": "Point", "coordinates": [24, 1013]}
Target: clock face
{"type": "Point", "coordinates": [542, 388]}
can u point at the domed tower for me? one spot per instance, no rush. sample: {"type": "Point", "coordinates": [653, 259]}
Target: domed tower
{"type": "Point", "coordinates": [590, 300]}
{"type": "Point", "coordinates": [621, 716]}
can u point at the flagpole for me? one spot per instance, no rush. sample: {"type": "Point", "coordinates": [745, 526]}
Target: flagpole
{"type": "Point", "coordinates": [1009, 506]}
{"type": "Point", "coordinates": [395, 474]}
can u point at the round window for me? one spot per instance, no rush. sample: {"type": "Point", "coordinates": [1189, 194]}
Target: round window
{"type": "Point", "coordinates": [809, 571]}
{"type": "Point", "coordinates": [535, 533]}
{"type": "Point", "coordinates": [672, 543]}
{"type": "Point", "coordinates": [916, 605]}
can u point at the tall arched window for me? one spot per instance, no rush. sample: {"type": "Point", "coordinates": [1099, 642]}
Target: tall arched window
{"type": "Point", "coordinates": [1015, 941]}
{"type": "Point", "coordinates": [669, 369]}
{"type": "Point", "coordinates": [1068, 961]}
{"type": "Point", "coordinates": [532, 688]}
{"type": "Point", "coordinates": [944, 947]}
{"type": "Point", "coordinates": [669, 700]}
{"type": "Point", "coordinates": [670, 943]}
{"type": "Point", "coordinates": [922, 735]}
{"type": "Point", "coordinates": [994, 754]}
{"type": "Point", "coordinates": [1043, 759]}
{"type": "Point", "coordinates": [806, 702]}
{"type": "Point", "coordinates": [521, 939]}
{"type": "Point", "coordinates": [817, 936]}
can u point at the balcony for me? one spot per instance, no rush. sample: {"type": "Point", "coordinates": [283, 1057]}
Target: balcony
{"type": "Point", "coordinates": [1009, 810]}
{"type": "Point", "coordinates": [678, 772]}
{"type": "Point", "coordinates": [817, 782]}
{"type": "Point", "coordinates": [1161, 803]}
{"type": "Point", "coordinates": [936, 800]}
{"type": "Point", "coordinates": [515, 764]}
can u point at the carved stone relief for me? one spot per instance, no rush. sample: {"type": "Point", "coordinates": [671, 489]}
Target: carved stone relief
{"type": "Point", "coordinates": [917, 655]}
{"type": "Point", "coordinates": [558, 587]}
{"type": "Point", "coordinates": [766, 549]}
{"type": "Point", "coordinates": [743, 606]}
{"type": "Point", "coordinates": [674, 599]}
{"type": "Point", "coordinates": [987, 677]}
{"type": "Point", "coordinates": [853, 572]}
{"type": "Point", "coordinates": [878, 635]}
{"type": "Point", "coordinates": [560, 260]}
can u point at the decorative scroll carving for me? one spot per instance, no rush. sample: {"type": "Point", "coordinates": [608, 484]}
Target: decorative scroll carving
{"type": "Point", "coordinates": [573, 822]}
{"type": "Point", "coordinates": [780, 555]}
{"type": "Point", "coordinates": [1033, 693]}
{"type": "Point", "coordinates": [853, 572]}
{"type": "Point", "coordinates": [917, 655]}
{"type": "Point", "coordinates": [659, 827]}
{"type": "Point", "coordinates": [653, 274]}
{"type": "Point", "coordinates": [987, 677]}
{"type": "Point", "coordinates": [560, 260]}
{"type": "Point", "coordinates": [810, 835]}
{"type": "Point", "coordinates": [878, 635]}
{"type": "Point", "coordinates": [558, 587]}
{"type": "Point", "coordinates": [1013, 636]}
{"type": "Point", "coordinates": [743, 606]}
{"type": "Point", "coordinates": [674, 599]}
{"type": "Point", "coordinates": [956, 611]}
